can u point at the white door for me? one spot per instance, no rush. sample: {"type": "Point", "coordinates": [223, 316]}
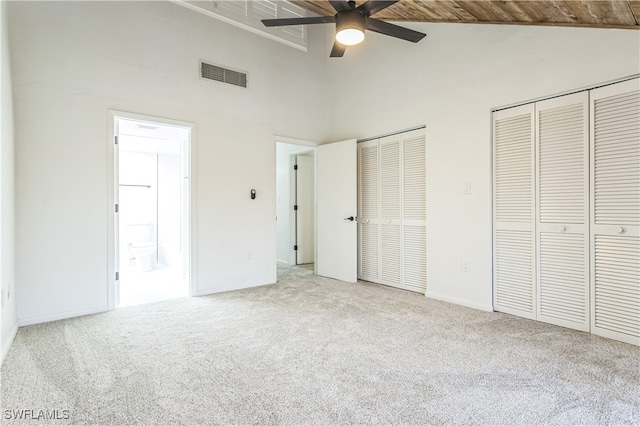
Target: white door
{"type": "Point", "coordinates": [414, 211]}
{"type": "Point", "coordinates": [305, 209]}
{"type": "Point", "coordinates": [615, 211]}
{"type": "Point", "coordinates": [337, 194]}
{"type": "Point", "coordinates": [514, 280]}
{"type": "Point", "coordinates": [390, 248]}
{"type": "Point", "coordinates": [368, 213]}
{"type": "Point", "coordinates": [562, 228]}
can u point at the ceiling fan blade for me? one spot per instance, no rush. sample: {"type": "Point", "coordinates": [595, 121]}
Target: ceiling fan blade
{"type": "Point", "coordinates": [393, 30]}
{"type": "Point", "coordinates": [339, 5]}
{"type": "Point", "coordinates": [374, 6]}
{"type": "Point", "coordinates": [338, 50]}
{"type": "Point", "coordinates": [298, 21]}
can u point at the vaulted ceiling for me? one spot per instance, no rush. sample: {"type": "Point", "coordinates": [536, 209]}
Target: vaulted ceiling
{"type": "Point", "coordinates": [572, 13]}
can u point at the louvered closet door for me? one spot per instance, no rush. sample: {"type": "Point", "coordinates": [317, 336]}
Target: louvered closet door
{"type": "Point", "coordinates": [514, 212]}
{"type": "Point", "coordinates": [414, 211]}
{"type": "Point", "coordinates": [615, 214]}
{"type": "Point", "coordinates": [562, 150]}
{"type": "Point", "coordinates": [368, 223]}
{"type": "Point", "coordinates": [390, 271]}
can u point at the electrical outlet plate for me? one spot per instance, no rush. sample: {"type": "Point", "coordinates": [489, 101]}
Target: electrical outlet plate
{"type": "Point", "coordinates": [466, 265]}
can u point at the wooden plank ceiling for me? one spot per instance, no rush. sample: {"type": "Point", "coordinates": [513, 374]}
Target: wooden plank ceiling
{"type": "Point", "coordinates": [573, 13]}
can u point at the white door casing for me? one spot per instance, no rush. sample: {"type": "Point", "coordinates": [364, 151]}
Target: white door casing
{"type": "Point", "coordinates": [116, 217]}
{"type": "Point", "coordinates": [336, 171]}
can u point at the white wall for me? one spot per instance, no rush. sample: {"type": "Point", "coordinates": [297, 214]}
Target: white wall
{"type": "Point", "coordinates": [72, 61]}
{"type": "Point", "coordinates": [169, 205]}
{"type": "Point", "coordinates": [8, 319]}
{"type": "Point", "coordinates": [450, 81]}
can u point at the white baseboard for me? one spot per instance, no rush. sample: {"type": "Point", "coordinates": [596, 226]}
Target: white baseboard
{"type": "Point", "coordinates": [461, 302]}
{"type": "Point", "coordinates": [213, 290]}
{"type": "Point", "coordinates": [6, 343]}
{"type": "Point", "coordinates": [286, 262]}
{"type": "Point", "coordinates": [61, 315]}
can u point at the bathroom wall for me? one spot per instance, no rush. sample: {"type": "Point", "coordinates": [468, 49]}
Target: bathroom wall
{"type": "Point", "coordinates": [138, 205]}
{"type": "Point", "coordinates": [169, 209]}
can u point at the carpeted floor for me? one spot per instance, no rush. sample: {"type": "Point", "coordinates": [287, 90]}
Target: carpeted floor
{"type": "Point", "coordinates": [311, 350]}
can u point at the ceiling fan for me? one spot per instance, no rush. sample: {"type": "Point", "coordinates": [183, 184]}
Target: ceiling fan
{"type": "Point", "coordinates": [351, 21]}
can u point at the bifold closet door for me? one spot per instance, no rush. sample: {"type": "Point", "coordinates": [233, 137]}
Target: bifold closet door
{"type": "Point", "coordinates": [368, 205]}
{"type": "Point", "coordinates": [562, 228]}
{"type": "Point", "coordinates": [615, 211]}
{"type": "Point", "coordinates": [514, 212]}
{"type": "Point", "coordinates": [414, 211]}
{"type": "Point", "coordinates": [390, 262]}
{"type": "Point", "coordinates": [392, 211]}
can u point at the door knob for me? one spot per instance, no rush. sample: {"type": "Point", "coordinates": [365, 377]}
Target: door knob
{"type": "Point", "coordinates": [620, 230]}
{"type": "Point", "coordinates": [563, 229]}
{"type": "Point", "coordinates": [350, 218]}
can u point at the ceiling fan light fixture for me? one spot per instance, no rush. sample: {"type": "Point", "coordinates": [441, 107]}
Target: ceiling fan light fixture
{"type": "Point", "coordinates": [350, 27]}
{"type": "Point", "coordinates": [350, 36]}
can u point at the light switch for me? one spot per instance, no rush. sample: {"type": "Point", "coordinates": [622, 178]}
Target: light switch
{"type": "Point", "coordinates": [466, 188]}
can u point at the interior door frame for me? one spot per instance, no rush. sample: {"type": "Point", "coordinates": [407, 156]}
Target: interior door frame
{"type": "Point", "coordinates": [292, 222]}
{"type": "Point", "coordinates": [112, 196]}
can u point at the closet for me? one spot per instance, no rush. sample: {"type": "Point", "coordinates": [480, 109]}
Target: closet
{"type": "Point", "coordinates": [392, 245]}
{"type": "Point", "coordinates": [566, 178]}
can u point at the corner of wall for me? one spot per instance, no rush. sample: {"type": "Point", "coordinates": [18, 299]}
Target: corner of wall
{"type": "Point", "coordinates": [7, 340]}
{"type": "Point", "coordinates": [8, 316]}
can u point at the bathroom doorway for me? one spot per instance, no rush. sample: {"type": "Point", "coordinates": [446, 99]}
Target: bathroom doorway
{"type": "Point", "coordinates": [152, 197]}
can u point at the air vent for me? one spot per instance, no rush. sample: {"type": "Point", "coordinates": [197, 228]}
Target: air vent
{"type": "Point", "coordinates": [223, 75]}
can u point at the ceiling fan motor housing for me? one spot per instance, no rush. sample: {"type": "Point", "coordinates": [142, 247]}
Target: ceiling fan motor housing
{"type": "Point", "coordinates": [348, 19]}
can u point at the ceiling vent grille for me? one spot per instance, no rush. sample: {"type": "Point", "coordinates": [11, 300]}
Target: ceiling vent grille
{"type": "Point", "coordinates": [223, 75]}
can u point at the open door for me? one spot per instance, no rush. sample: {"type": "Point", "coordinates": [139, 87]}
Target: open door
{"type": "Point", "coordinates": [337, 196]}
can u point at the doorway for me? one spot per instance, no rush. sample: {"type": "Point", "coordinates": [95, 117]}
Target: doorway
{"type": "Point", "coordinates": [152, 197]}
{"type": "Point", "coordinates": [295, 193]}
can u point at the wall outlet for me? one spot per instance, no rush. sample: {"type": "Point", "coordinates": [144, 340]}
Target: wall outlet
{"type": "Point", "coordinates": [465, 265]}
{"type": "Point", "coordinates": [249, 256]}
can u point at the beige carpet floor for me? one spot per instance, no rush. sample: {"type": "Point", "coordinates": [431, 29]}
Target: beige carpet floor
{"type": "Point", "coordinates": [315, 351]}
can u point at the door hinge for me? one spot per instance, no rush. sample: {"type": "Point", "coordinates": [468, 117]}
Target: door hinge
{"type": "Point", "coordinates": [295, 167]}
{"type": "Point", "coordinates": [117, 208]}
{"type": "Point", "coordinates": [295, 247]}
{"type": "Point", "coordinates": [295, 207]}
{"type": "Point", "coordinates": [117, 276]}
{"type": "Point", "coordinates": [116, 140]}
